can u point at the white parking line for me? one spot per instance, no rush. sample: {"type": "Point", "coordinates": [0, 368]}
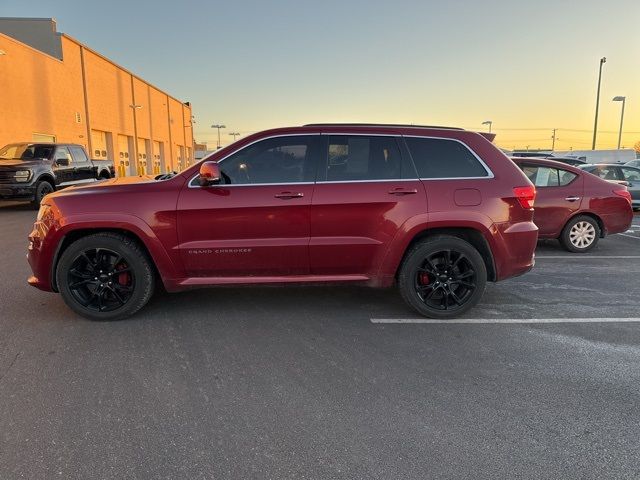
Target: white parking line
{"type": "Point", "coordinates": [630, 236]}
{"type": "Point", "coordinates": [580, 257]}
{"type": "Point", "coordinates": [506, 320]}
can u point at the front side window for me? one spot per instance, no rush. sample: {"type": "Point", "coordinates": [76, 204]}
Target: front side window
{"type": "Point", "coordinates": [275, 160]}
{"type": "Point", "coordinates": [444, 158]}
{"type": "Point", "coordinates": [358, 158]}
{"type": "Point", "coordinates": [62, 153]}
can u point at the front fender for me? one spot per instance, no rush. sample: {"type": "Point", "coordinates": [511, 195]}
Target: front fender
{"type": "Point", "coordinates": [121, 221]}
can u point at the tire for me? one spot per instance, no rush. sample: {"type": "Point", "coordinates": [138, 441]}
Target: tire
{"type": "Point", "coordinates": [580, 234]}
{"type": "Point", "coordinates": [105, 276]}
{"type": "Point", "coordinates": [43, 187]}
{"type": "Point", "coordinates": [430, 291]}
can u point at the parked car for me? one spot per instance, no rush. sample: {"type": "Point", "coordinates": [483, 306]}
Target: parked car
{"type": "Point", "coordinates": [32, 170]}
{"type": "Point", "coordinates": [622, 174]}
{"type": "Point", "coordinates": [437, 211]}
{"type": "Point", "coordinates": [568, 160]}
{"type": "Point", "coordinates": [575, 207]}
{"type": "Point", "coordinates": [633, 163]}
{"type": "Point", "coordinates": [616, 156]}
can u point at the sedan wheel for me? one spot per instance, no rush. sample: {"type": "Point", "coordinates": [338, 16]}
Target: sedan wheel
{"type": "Point", "coordinates": [580, 234]}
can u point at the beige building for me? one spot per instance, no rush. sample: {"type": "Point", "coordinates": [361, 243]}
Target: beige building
{"type": "Point", "coordinates": [54, 88]}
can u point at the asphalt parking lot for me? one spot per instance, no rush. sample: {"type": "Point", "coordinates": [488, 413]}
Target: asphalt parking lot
{"type": "Point", "coordinates": [327, 382]}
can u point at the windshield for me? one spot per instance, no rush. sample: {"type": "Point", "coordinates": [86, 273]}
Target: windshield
{"type": "Point", "coordinates": [25, 151]}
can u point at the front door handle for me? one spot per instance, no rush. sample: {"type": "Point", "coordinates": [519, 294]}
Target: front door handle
{"type": "Point", "coordinates": [289, 195]}
{"type": "Point", "coordinates": [572, 199]}
{"type": "Point", "coordinates": [403, 191]}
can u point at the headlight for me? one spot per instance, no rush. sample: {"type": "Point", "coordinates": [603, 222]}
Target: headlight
{"type": "Point", "coordinates": [22, 175]}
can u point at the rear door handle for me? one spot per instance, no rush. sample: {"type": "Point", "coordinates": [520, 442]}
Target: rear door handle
{"type": "Point", "coordinates": [289, 195]}
{"type": "Point", "coordinates": [403, 191]}
{"type": "Point", "coordinates": [572, 199]}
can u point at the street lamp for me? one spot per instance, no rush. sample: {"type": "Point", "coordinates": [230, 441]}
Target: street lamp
{"type": "Point", "coordinates": [218, 126]}
{"type": "Point", "coordinates": [488, 122]}
{"type": "Point", "coordinates": [623, 100]}
{"type": "Point", "coordinates": [603, 60]}
{"type": "Point", "coordinates": [234, 135]}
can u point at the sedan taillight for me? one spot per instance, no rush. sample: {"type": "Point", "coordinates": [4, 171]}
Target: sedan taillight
{"type": "Point", "coordinates": [525, 195]}
{"type": "Point", "coordinates": [624, 194]}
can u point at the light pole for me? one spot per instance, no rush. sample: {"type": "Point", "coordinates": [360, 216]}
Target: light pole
{"type": "Point", "coordinates": [218, 126]}
{"type": "Point", "coordinates": [623, 100]}
{"type": "Point", "coordinates": [603, 60]}
{"type": "Point", "coordinates": [234, 135]}
{"type": "Point", "coordinates": [488, 122]}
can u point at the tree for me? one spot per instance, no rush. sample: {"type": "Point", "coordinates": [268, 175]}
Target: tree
{"type": "Point", "coordinates": [636, 147]}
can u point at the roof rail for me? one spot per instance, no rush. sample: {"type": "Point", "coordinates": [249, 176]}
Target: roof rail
{"type": "Point", "coordinates": [404, 125]}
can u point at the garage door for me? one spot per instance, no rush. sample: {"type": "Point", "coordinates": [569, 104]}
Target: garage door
{"type": "Point", "coordinates": [158, 157]}
{"type": "Point", "coordinates": [100, 145]}
{"type": "Point", "coordinates": [123, 159]}
{"type": "Point", "coordinates": [143, 158]}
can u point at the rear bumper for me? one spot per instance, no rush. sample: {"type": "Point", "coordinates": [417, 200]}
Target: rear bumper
{"type": "Point", "coordinates": [513, 247]}
{"type": "Point", "coordinates": [14, 190]}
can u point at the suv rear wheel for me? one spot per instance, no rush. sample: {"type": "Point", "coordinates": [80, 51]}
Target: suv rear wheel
{"type": "Point", "coordinates": [105, 276]}
{"type": "Point", "coordinates": [442, 277]}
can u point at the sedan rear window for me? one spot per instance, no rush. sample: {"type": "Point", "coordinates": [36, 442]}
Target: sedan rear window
{"type": "Point", "coordinates": [443, 158]}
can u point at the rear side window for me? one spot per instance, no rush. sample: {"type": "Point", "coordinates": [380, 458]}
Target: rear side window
{"type": "Point", "coordinates": [607, 172]}
{"type": "Point", "coordinates": [443, 158]}
{"type": "Point", "coordinates": [78, 155]}
{"type": "Point", "coordinates": [351, 158]}
{"type": "Point", "coordinates": [548, 177]}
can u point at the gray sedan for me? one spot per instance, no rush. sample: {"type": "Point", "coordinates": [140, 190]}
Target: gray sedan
{"type": "Point", "coordinates": [623, 174]}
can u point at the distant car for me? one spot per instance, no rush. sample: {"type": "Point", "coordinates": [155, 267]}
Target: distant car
{"type": "Point", "coordinates": [575, 207]}
{"type": "Point", "coordinates": [568, 160]}
{"type": "Point", "coordinates": [633, 163]}
{"type": "Point", "coordinates": [30, 171]}
{"type": "Point", "coordinates": [621, 174]}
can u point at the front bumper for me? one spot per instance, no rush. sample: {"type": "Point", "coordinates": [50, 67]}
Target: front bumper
{"type": "Point", "coordinates": [17, 190]}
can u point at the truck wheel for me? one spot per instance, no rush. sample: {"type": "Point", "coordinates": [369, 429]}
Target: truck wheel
{"type": "Point", "coordinates": [105, 276]}
{"type": "Point", "coordinates": [43, 188]}
{"type": "Point", "coordinates": [580, 234]}
{"type": "Point", "coordinates": [442, 277]}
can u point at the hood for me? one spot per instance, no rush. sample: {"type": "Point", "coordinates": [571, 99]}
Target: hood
{"type": "Point", "coordinates": [105, 186]}
{"type": "Point", "coordinates": [20, 164]}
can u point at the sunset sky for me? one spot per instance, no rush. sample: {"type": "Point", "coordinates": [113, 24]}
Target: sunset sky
{"type": "Point", "coordinates": [255, 64]}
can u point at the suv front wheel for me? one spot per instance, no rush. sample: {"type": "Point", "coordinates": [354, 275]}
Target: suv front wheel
{"type": "Point", "coordinates": [442, 277]}
{"type": "Point", "coordinates": [105, 276]}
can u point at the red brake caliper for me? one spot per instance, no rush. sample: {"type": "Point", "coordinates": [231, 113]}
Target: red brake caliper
{"type": "Point", "coordinates": [424, 278]}
{"type": "Point", "coordinates": [123, 278]}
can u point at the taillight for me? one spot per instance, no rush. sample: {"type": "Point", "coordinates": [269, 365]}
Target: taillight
{"type": "Point", "coordinates": [525, 195]}
{"type": "Point", "coordinates": [624, 194]}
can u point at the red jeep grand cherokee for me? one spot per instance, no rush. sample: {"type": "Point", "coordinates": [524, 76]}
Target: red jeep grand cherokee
{"type": "Point", "coordinates": [439, 211]}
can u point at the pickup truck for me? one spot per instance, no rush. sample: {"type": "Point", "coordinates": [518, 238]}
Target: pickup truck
{"type": "Point", "coordinates": [32, 170]}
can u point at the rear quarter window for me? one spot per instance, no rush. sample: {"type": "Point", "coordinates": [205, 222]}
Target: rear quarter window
{"type": "Point", "coordinates": [444, 158]}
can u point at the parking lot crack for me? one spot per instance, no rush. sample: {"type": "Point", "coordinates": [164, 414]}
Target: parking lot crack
{"type": "Point", "coordinates": [9, 367]}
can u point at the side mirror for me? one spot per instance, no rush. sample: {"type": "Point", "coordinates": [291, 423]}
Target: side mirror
{"type": "Point", "coordinates": [209, 173]}
{"type": "Point", "coordinates": [62, 162]}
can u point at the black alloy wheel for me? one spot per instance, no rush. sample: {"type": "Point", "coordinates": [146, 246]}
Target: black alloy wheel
{"type": "Point", "coordinates": [442, 277]}
{"type": "Point", "coordinates": [105, 276]}
{"type": "Point", "coordinates": [100, 279]}
{"type": "Point", "coordinates": [445, 280]}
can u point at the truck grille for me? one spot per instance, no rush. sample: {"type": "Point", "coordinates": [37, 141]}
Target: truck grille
{"type": "Point", "coordinates": [7, 176]}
